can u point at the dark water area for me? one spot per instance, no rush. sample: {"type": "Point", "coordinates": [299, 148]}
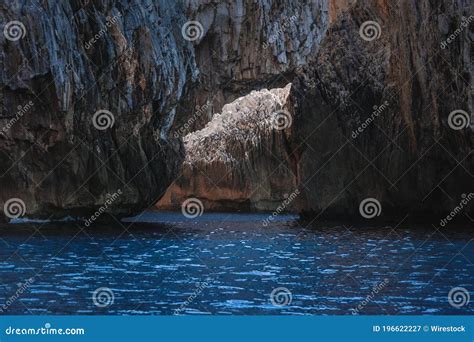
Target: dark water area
{"type": "Point", "coordinates": [229, 264]}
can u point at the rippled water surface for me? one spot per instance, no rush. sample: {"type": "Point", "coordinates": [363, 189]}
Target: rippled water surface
{"type": "Point", "coordinates": [230, 264]}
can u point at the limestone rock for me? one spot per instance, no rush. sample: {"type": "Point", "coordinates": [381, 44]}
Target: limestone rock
{"type": "Point", "coordinates": [239, 160]}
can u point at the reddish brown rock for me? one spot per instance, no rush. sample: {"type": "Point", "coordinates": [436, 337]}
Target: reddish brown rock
{"type": "Point", "coordinates": [239, 160]}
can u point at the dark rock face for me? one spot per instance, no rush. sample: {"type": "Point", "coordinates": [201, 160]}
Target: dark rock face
{"type": "Point", "coordinates": [402, 152]}
{"type": "Point", "coordinates": [248, 45]}
{"type": "Point", "coordinates": [76, 58]}
{"type": "Point", "coordinates": [370, 121]}
{"type": "Point", "coordinates": [370, 108]}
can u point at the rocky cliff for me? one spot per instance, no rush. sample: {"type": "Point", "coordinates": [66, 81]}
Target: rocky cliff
{"type": "Point", "coordinates": [246, 45]}
{"type": "Point", "coordinates": [135, 69]}
{"type": "Point", "coordinates": [383, 113]}
{"type": "Point", "coordinates": [88, 95]}
{"type": "Point", "coordinates": [98, 97]}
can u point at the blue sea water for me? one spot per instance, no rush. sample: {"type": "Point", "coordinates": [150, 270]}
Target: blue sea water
{"type": "Point", "coordinates": [227, 264]}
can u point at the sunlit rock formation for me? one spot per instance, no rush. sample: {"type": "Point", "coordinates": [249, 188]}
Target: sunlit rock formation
{"type": "Point", "coordinates": [240, 160]}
